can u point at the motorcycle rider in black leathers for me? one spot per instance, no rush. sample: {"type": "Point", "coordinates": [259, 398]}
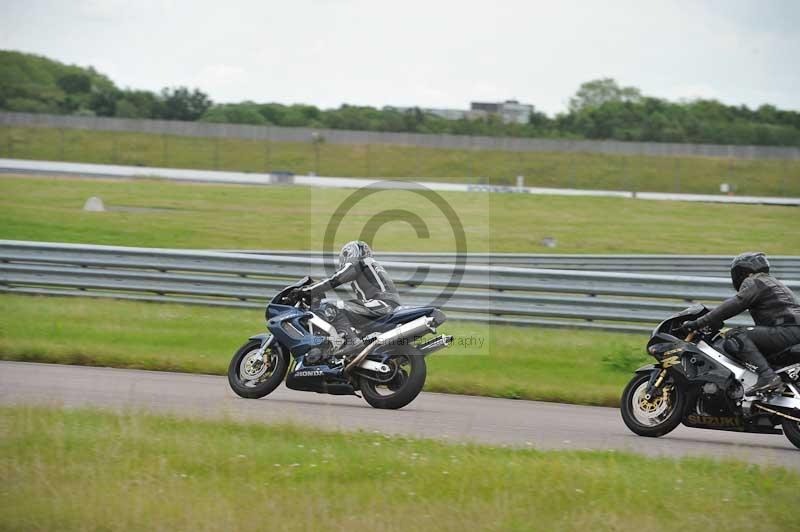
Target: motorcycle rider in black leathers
{"type": "Point", "coordinates": [775, 311]}
{"type": "Point", "coordinates": [377, 294]}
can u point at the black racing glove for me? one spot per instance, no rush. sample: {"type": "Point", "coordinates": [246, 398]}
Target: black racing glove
{"type": "Point", "coordinates": [308, 291]}
{"type": "Point", "coordinates": [688, 327]}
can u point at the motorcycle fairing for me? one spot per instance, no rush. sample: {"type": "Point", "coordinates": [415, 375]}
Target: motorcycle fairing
{"type": "Point", "coordinates": [320, 378]}
{"type": "Point", "coordinates": [689, 362]}
{"type": "Point", "coordinates": [290, 331]}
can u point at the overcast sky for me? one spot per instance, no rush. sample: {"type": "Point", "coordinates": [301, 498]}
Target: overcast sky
{"type": "Point", "coordinates": [426, 53]}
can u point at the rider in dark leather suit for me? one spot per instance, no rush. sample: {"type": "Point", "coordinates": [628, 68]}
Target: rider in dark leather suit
{"type": "Point", "coordinates": [377, 294]}
{"type": "Point", "coordinates": [775, 311]}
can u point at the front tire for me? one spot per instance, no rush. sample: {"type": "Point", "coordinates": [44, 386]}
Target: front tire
{"type": "Point", "coordinates": [791, 429]}
{"type": "Point", "coordinates": [404, 388]}
{"type": "Point", "coordinates": [651, 418]}
{"type": "Point", "coordinates": [252, 380]}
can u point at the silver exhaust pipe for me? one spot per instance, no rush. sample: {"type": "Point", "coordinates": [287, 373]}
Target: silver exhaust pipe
{"type": "Point", "coordinates": [418, 327]}
{"type": "Point", "coordinates": [431, 346]}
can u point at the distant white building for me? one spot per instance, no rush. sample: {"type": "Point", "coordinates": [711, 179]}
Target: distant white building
{"type": "Point", "coordinates": [510, 111]}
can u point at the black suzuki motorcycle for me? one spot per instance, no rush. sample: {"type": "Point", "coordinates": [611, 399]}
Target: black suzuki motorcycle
{"type": "Point", "coordinates": [389, 371]}
{"type": "Point", "coordinates": [695, 382]}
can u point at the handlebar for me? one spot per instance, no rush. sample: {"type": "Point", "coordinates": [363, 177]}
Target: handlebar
{"type": "Point", "coordinates": [297, 297]}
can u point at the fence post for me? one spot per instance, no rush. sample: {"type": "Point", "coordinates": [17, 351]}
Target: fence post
{"type": "Point", "coordinates": [677, 175]}
{"type": "Point", "coordinates": [216, 153]}
{"type": "Point", "coordinates": [61, 136]}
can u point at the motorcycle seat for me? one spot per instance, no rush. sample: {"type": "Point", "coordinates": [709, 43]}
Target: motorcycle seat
{"type": "Point", "coordinates": [790, 355]}
{"type": "Point", "coordinates": [404, 314]}
{"type": "Point", "coordinates": [794, 351]}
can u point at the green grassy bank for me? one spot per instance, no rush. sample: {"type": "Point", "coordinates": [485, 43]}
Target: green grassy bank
{"type": "Point", "coordinates": [574, 170]}
{"type": "Point", "coordinates": [165, 214]}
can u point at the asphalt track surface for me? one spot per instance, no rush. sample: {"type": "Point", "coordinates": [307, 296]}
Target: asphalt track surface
{"type": "Point", "coordinates": [446, 417]}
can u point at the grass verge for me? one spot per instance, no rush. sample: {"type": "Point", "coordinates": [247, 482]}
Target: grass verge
{"type": "Point", "coordinates": [574, 170]}
{"type": "Point", "coordinates": [572, 366]}
{"type": "Point", "coordinates": [183, 215]}
{"type": "Point", "coordinates": [87, 470]}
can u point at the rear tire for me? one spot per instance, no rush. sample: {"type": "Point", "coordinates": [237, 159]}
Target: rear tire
{"type": "Point", "coordinates": [650, 419]}
{"type": "Point", "coordinates": [406, 386]}
{"type": "Point", "coordinates": [262, 384]}
{"type": "Point", "coordinates": [791, 429]}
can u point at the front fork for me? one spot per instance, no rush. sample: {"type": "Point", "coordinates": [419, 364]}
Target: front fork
{"type": "Point", "coordinates": [654, 386]}
{"type": "Point", "coordinates": [266, 341]}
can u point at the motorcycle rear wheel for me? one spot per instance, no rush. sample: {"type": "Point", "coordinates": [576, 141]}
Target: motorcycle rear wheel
{"type": "Point", "coordinates": [404, 388]}
{"type": "Point", "coordinates": [791, 429]}
{"type": "Point", "coordinates": [650, 418]}
{"type": "Point", "coordinates": [260, 384]}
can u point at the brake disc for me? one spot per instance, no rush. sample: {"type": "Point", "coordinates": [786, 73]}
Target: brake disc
{"type": "Point", "coordinates": [253, 366]}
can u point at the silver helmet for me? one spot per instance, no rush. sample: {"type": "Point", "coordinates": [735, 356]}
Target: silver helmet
{"type": "Point", "coordinates": [353, 251]}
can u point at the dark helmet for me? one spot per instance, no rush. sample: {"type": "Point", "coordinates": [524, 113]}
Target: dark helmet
{"type": "Point", "coordinates": [745, 264]}
{"type": "Point", "coordinates": [354, 250]}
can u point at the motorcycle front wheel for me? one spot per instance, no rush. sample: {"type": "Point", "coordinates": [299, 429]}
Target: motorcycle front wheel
{"type": "Point", "coordinates": [253, 377]}
{"type": "Point", "coordinates": [652, 417]}
{"type": "Point", "coordinates": [409, 378]}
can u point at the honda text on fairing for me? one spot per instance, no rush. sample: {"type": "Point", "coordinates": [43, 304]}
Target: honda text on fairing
{"type": "Point", "coordinates": [389, 370]}
{"type": "Point", "coordinates": [697, 383]}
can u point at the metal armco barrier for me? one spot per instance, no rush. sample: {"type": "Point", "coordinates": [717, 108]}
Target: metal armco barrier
{"type": "Point", "coordinates": [629, 302]}
{"type": "Point", "coordinates": [783, 266]}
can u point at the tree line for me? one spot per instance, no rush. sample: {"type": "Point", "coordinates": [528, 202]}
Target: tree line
{"type": "Point", "coordinates": [600, 109]}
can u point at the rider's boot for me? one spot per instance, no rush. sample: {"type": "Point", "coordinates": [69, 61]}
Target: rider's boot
{"type": "Point", "coordinates": [767, 379]}
{"type": "Point", "coordinates": [351, 345]}
{"type": "Point", "coordinates": [352, 342]}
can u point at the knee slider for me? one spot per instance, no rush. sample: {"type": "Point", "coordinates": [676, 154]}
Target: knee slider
{"type": "Point", "coordinates": [330, 311]}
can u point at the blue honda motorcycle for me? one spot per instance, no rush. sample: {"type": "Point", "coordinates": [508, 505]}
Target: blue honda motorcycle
{"type": "Point", "coordinates": [389, 371]}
